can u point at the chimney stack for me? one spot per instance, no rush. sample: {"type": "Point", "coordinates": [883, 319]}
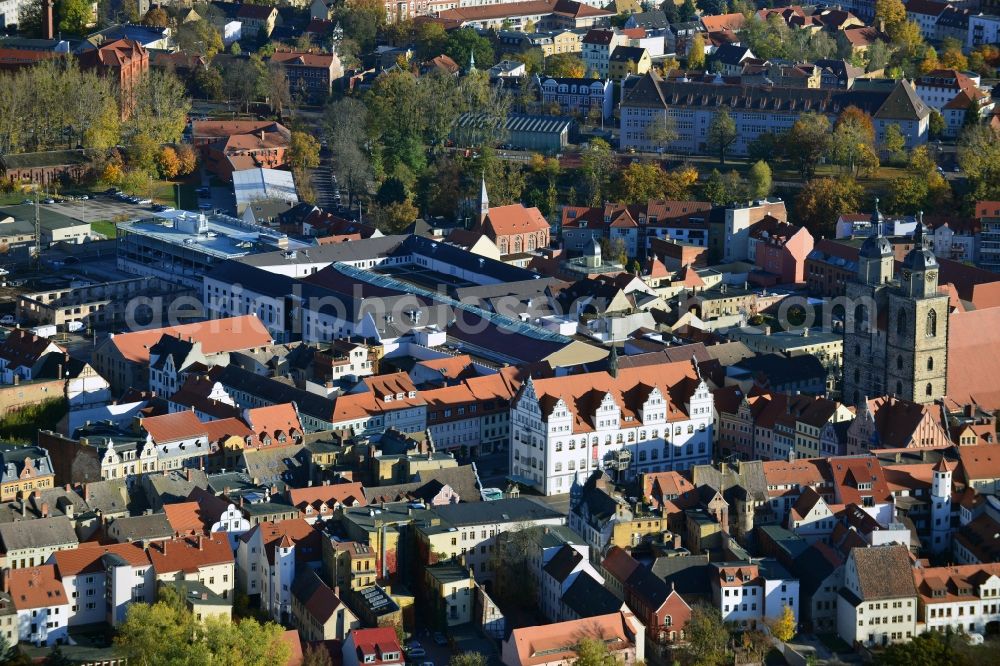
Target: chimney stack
{"type": "Point", "coordinates": [48, 21]}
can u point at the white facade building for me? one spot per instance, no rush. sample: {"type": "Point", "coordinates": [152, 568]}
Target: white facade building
{"type": "Point", "coordinates": [628, 421]}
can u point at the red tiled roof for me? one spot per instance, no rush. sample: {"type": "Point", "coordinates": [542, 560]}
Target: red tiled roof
{"type": "Point", "coordinates": [515, 219]}
{"type": "Point", "coordinates": [173, 427]}
{"type": "Point", "coordinates": [36, 587]}
{"type": "Point", "coordinates": [189, 554]}
{"type": "Point", "coordinates": [352, 494]}
{"type": "Point", "coordinates": [215, 335]}
{"type": "Point", "coordinates": [86, 558]}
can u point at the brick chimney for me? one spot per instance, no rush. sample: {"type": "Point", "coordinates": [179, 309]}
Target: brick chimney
{"type": "Point", "coordinates": [48, 21]}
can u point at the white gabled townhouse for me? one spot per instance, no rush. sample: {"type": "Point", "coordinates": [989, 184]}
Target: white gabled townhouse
{"type": "Point", "coordinates": [964, 598]}
{"type": "Point", "coordinates": [43, 608]}
{"type": "Point", "coordinates": [268, 557]}
{"type": "Point", "coordinates": [630, 421]}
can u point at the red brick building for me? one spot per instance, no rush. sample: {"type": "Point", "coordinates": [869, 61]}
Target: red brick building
{"type": "Point", "coordinates": [124, 60]}
{"type": "Point", "coordinates": [779, 251]}
{"type": "Point", "coordinates": [228, 146]}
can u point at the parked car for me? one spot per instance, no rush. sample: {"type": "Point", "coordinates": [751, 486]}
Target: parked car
{"type": "Point", "coordinates": [49, 201]}
{"type": "Point", "coordinates": [440, 639]}
{"type": "Point", "coordinates": [416, 653]}
{"type": "Point", "coordinates": [8, 320]}
{"type": "Point", "coordinates": [144, 202]}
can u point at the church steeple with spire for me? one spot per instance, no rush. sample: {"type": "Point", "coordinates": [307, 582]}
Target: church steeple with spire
{"type": "Point", "coordinates": [484, 202]}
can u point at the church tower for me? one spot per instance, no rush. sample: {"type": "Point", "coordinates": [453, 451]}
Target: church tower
{"type": "Point", "coordinates": [941, 507]}
{"type": "Point", "coordinates": [484, 203]}
{"type": "Point", "coordinates": [917, 328]}
{"type": "Point", "coordinates": [864, 344]}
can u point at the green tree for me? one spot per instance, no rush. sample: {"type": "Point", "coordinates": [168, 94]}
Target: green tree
{"type": "Point", "coordinates": [821, 201]}
{"type": "Point", "coordinates": [593, 652]}
{"type": "Point", "coordinates": [596, 166]}
{"type": "Point", "coordinates": [707, 637]}
{"type": "Point", "coordinates": [852, 133]}
{"type": "Point", "coordinates": [316, 655]}
{"type": "Point", "coordinates": [199, 37]}
{"type": "Point", "coordinates": [721, 133]}
{"type": "Point", "coordinates": [161, 107]}
{"type": "Point", "coordinates": [765, 147]}
{"type": "Point", "coordinates": [361, 20]}
{"type": "Point", "coordinates": [464, 41]}
{"type": "Point", "coordinates": [807, 141]}
{"type": "Point", "coordinates": [784, 627]}
{"type": "Point", "coordinates": [345, 124]}
{"type": "Point", "coordinates": [892, 13]}
{"type": "Point", "coordinates": [759, 180]}
{"type": "Point", "coordinates": [57, 658]}
{"type": "Point", "coordinates": [935, 124]}
{"type": "Point", "coordinates": [894, 143]}
{"type": "Point", "coordinates": [567, 65]}
{"type": "Point", "coordinates": [161, 633]}
{"type": "Point", "coordinates": [688, 12]}
{"type": "Point", "coordinates": [245, 643]}
{"type": "Point", "coordinates": [696, 52]}
{"type": "Point", "coordinates": [303, 151]}
{"type": "Point", "coordinates": [430, 39]}
{"type": "Point", "coordinates": [156, 17]}
{"type": "Point", "coordinates": [930, 649]}
{"type": "Point", "coordinates": [74, 16]}
{"type": "Point", "coordinates": [640, 182]}
{"type": "Point", "coordinates": [979, 157]}
{"type": "Point", "coordinates": [467, 659]}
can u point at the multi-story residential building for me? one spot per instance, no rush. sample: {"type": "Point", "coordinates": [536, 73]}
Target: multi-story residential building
{"type": "Point", "coordinates": [598, 45]}
{"type": "Point", "coordinates": [628, 421]}
{"type": "Point", "coordinates": [43, 607]}
{"type": "Point", "coordinates": [779, 252]}
{"type": "Point", "coordinates": [983, 29]}
{"type": "Point", "coordinates": [636, 226]}
{"type": "Point", "coordinates": [124, 359]}
{"type": "Point", "coordinates": [349, 564]}
{"type": "Point", "coordinates": [545, 14]}
{"type": "Point", "coordinates": [756, 110]}
{"type": "Point", "coordinates": [469, 531]}
{"type": "Point", "coordinates": [751, 594]}
{"type": "Point", "coordinates": [310, 75]}
{"type": "Point", "coordinates": [205, 559]}
{"type": "Point", "coordinates": [964, 599]}
{"type": "Point", "coordinates": [103, 581]}
{"type": "Point", "coordinates": [892, 423]}
{"type": "Point", "coordinates": [318, 612]}
{"type": "Point", "coordinates": [451, 590]}
{"type": "Point", "coordinates": [878, 603]}
{"type": "Point", "coordinates": [25, 470]}
{"type": "Point", "coordinates": [628, 60]}
{"type": "Point", "coordinates": [270, 556]}
{"type": "Point", "coordinates": [30, 543]}
{"type": "Point", "coordinates": [988, 216]}
{"type": "Point", "coordinates": [582, 97]}
{"type": "Point", "coordinates": [257, 20]}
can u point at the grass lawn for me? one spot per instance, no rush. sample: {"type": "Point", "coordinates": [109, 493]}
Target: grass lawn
{"type": "Point", "coordinates": [12, 198]}
{"type": "Point", "coordinates": [104, 227]}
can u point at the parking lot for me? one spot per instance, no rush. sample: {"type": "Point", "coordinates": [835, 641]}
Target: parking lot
{"type": "Point", "coordinates": [98, 208]}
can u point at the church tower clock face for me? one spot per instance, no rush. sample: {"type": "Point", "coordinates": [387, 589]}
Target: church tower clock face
{"type": "Point", "coordinates": [931, 275]}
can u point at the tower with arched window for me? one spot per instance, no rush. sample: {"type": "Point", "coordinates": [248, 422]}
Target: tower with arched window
{"type": "Point", "coordinates": [864, 340]}
{"type": "Point", "coordinates": [917, 344]}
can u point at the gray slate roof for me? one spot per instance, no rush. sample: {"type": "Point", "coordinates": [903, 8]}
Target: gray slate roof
{"type": "Point", "coordinates": [39, 533]}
